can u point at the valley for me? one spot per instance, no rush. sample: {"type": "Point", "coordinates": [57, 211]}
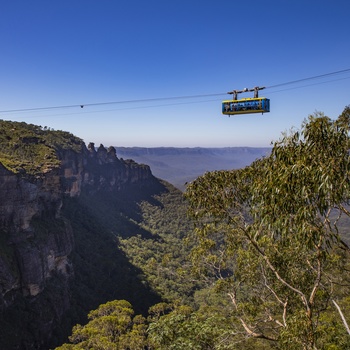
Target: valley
{"type": "Point", "coordinates": [182, 165]}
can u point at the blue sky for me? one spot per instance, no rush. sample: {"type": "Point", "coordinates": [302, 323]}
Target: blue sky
{"type": "Point", "coordinates": [81, 52]}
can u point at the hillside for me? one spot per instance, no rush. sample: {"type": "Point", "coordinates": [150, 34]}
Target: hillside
{"type": "Point", "coordinates": [181, 165]}
{"type": "Point", "coordinates": [67, 213]}
{"type": "Point", "coordinates": [80, 227]}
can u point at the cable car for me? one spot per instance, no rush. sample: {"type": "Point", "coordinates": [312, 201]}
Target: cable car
{"type": "Point", "coordinates": [246, 105]}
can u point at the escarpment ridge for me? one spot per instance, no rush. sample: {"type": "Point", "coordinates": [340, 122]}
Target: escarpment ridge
{"type": "Point", "coordinates": [50, 183]}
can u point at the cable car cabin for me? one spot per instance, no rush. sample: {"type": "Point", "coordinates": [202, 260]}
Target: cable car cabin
{"type": "Point", "coordinates": [246, 105]}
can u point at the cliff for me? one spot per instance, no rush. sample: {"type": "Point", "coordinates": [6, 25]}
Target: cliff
{"type": "Point", "coordinates": [50, 185]}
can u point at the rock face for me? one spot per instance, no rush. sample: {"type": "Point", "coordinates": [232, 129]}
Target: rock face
{"type": "Point", "coordinates": [36, 240]}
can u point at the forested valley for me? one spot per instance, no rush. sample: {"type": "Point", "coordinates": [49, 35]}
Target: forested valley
{"type": "Point", "coordinates": [252, 258]}
{"type": "Point", "coordinates": [266, 266]}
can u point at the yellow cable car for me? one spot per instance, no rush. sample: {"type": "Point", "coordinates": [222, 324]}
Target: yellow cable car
{"type": "Point", "coordinates": [246, 105]}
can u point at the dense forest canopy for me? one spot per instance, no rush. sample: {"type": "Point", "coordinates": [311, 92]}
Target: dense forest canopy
{"type": "Point", "coordinates": [269, 250]}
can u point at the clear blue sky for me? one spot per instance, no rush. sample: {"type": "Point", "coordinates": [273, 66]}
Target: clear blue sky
{"type": "Point", "coordinates": [72, 52]}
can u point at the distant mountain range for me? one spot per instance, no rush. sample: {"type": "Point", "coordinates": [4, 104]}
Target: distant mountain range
{"type": "Point", "coordinates": [181, 165]}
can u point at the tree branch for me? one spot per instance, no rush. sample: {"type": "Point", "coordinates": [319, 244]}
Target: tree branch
{"type": "Point", "coordinates": [254, 334]}
{"type": "Point", "coordinates": [342, 316]}
{"type": "Point", "coordinates": [273, 269]}
{"type": "Point", "coordinates": [318, 278]}
{"type": "Point", "coordinates": [284, 304]}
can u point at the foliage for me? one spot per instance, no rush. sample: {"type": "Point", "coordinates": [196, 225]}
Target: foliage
{"type": "Point", "coordinates": [102, 272]}
{"type": "Point", "coordinates": [167, 327]}
{"type": "Point", "coordinates": [264, 232]}
{"type": "Point", "coordinates": [116, 236]}
{"type": "Point", "coordinates": [111, 326]}
{"type": "Point", "coordinates": [184, 329]}
{"type": "Point", "coordinates": [33, 150]}
{"type": "Point", "coordinates": [162, 256]}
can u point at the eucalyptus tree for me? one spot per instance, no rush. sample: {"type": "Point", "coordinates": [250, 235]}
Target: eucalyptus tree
{"type": "Point", "coordinates": [269, 235]}
{"type": "Point", "coordinates": [111, 327]}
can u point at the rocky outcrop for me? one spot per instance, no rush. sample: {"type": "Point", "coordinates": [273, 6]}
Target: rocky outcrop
{"type": "Point", "coordinates": [35, 239]}
{"type": "Point", "coordinates": [103, 170]}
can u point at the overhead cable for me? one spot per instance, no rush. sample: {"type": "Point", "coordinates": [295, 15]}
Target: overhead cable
{"type": "Point", "coordinates": [82, 105]}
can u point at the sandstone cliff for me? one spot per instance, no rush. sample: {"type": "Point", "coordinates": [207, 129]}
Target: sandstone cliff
{"type": "Point", "coordinates": [37, 238]}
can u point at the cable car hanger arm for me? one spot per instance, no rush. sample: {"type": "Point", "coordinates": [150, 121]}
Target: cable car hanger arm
{"type": "Point", "coordinates": [255, 89]}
